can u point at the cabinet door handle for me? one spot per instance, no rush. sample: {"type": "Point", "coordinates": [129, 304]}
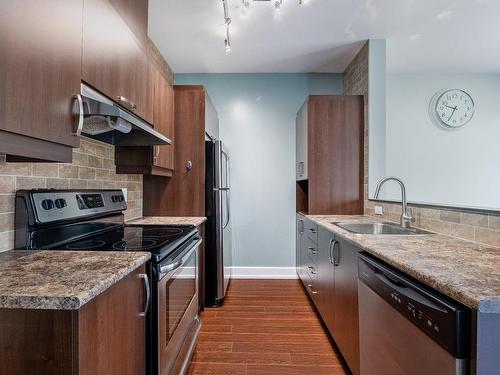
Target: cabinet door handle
{"type": "Point", "coordinates": [336, 254]}
{"type": "Point", "coordinates": [79, 127]}
{"type": "Point", "coordinates": [126, 102]}
{"type": "Point", "coordinates": [156, 153]}
{"type": "Point", "coordinates": [145, 279]}
{"type": "Point", "coordinates": [301, 230]}
{"type": "Point", "coordinates": [330, 255]}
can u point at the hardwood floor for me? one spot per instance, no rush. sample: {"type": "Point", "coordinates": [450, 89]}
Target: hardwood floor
{"type": "Point", "coordinates": [265, 327]}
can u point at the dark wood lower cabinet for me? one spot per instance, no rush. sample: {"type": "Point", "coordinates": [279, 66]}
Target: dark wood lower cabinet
{"type": "Point", "coordinates": [335, 288]}
{"type": "Point", "coordinates": [326, 278]}
{"type": "Point", "coordinates": [346, 330]}
{"type": "Point", "coordinates": [106, 336]}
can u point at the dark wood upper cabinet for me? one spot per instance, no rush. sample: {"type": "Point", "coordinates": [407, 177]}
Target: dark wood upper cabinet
{"type": "Point", "coordinates": [163, 118]}
{"type": "Point", "coordinates": [330, 155]}
{"type": "Point", "coordinates": [157, 160]}
{"type": "Point", "coordinates": [40, 72]}
{"type": "Point", "coordinates": [114, 61]}
{"type": "Point", "coordinates": [187, 184]}
{"type": "Point", "coordinates": [135, 14]}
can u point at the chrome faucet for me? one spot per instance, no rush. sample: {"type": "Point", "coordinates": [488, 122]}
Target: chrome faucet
{"type": "Point", "coordinates": [406, 215]}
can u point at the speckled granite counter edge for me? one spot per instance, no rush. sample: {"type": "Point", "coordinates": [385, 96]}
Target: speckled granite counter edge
{"type": "Point", "coordinates": [485, 306]}
{"type": "Point", "coordinates": [72, 302]}
{"type": "Point", "coordinates": [168, 220]}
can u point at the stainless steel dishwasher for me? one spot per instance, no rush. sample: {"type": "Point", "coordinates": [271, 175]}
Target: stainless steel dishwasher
{"type": "Point", "coordinates": [408, 329]}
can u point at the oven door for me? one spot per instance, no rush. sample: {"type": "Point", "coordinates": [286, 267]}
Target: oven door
{"type": "Point", "coordinates": [178, 305]}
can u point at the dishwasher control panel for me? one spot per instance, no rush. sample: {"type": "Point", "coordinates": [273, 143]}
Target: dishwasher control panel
{"type": "Point", "coordinates": [446, 321]}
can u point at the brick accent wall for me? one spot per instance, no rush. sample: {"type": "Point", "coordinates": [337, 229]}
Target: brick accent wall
{"type": "Point", "coordinates": [465, 224]}
{"type": "Point", "coordinates": [93, 167]}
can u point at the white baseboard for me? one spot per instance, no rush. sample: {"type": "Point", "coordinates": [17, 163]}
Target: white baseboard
{"type": "Point", "coordinates": [264, 273]}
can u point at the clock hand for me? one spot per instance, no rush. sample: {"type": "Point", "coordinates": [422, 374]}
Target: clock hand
{"type": "Point", "coordinates": [452, 113]}
{"type": "Point", "coordinates": [455, 108]}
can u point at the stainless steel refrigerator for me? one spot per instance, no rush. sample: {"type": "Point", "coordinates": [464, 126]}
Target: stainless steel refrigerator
{"type": "Point", "coordinates": [218, 241]}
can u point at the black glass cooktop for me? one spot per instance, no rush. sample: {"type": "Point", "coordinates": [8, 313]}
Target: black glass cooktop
{"type": "Point", "coordinates": [158, 240]}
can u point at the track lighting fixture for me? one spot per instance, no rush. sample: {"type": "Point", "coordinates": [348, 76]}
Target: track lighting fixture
{"type": "Point", "coordinates": [227, 22]}
{"type": "Point", "coordinates": [246, 4]}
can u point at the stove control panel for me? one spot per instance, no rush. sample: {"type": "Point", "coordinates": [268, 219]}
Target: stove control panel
{"type": "Point", "coordinates": [56, 205]}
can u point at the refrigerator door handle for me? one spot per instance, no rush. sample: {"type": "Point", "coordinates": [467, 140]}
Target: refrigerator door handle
{"type": "Point", "coordinates": [227, 189]}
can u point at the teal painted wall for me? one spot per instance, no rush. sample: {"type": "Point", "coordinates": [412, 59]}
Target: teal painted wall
{"type": "Point", "coordinates": [257, 123]}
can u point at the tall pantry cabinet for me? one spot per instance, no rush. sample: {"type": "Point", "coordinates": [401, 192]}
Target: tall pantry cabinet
{"type": "Point", "coordinates": [330, 155]}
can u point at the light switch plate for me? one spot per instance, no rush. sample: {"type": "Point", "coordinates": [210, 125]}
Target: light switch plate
{"type": "Point", "coordinates": [125, 194]}
{"type": "Point", "coordinates": [379, 210]}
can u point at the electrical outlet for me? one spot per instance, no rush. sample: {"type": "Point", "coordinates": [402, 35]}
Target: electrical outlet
{"type": "Point", "coordinates": [379, 210]}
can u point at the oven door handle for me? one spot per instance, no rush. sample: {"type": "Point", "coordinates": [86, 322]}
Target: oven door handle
{"type": "Point", "coordinates": [145, 278]}
{"type": "Point", "coordinates": [175, 265]}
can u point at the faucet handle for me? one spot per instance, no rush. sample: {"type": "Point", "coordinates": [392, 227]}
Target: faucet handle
{"type": "Point", "coordinates": [409, 215]}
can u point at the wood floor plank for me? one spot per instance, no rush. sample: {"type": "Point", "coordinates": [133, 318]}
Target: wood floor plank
{"type": "Point", "coordinates": [271, 321]}
{"type": "Point", "coordinates": [294, 370]}
{"type": "Point", "coordinates": [327, 359]}
{"type": "Point", "coordinates": [278, 347]}
{"type": "Point", "coordinates": [306, 338]}
{"type": "Point", "coordinates": [265, 327]}
{"type": "Point", "coordinates": [198, 368]}
{"type": "Point", "coordinates": [214, 346]}
{"type": "Point", "coordinates": [247, 358]}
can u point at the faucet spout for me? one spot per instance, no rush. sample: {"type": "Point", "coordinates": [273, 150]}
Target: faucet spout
{"type": "Point", "coordinates": [406, 216]}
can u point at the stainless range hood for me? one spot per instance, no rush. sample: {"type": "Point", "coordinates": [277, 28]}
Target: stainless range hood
{"type": "Point", "coordinates": [106, 121]}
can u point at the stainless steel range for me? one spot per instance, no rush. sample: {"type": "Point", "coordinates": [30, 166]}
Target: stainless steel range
{"type": "Point", "coordinates": [93, 220]}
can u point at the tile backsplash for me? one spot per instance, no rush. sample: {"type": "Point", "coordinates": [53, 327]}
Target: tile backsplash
{"type": "Point", "coordinates": [481, 227]}
{"type": "Point", "coordinates": [93, 167]}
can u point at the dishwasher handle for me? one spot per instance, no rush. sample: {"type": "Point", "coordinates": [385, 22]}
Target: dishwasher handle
{"type": "Point", "coordinates": [407, 292]}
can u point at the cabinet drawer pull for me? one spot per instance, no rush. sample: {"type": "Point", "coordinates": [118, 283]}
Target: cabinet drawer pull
{"type": "Point", "coordinates": [145, 279]}
{"type": "Point", "coordinates": [310, 288]}
{"type": "Point", "coordinates": [127, 102]}
{"type": "Point", "coordinates": [313, 231]}
{"type": "Point", "coordinates": [313, 271]}
{"type": "Point", "coordinates": [312, 250]}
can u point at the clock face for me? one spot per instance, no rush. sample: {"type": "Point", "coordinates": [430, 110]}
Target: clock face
{"type": "Point", "coordinates": [454, 108]}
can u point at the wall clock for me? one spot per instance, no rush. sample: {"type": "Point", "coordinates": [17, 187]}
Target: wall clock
{"type": "Point", "coordinates": [451, 108]}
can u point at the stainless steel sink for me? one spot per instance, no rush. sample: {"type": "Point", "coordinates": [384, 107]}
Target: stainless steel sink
{"type": "Point", "coordinates": [380, 228]}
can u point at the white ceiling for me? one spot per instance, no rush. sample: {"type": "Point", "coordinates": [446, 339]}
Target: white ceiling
{"type": "Point", "coordinates": [324, 35]}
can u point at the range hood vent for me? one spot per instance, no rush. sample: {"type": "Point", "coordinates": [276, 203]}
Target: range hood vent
{"type": "Point", "coordinates": [107, 122]}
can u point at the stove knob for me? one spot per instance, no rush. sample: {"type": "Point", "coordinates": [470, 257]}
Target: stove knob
{"type": "Point", "coordinates": [114, 198]}
{"type": "Point", "coordinates": [48, 204]}
{"type": "Point", "coordinates": [60, 203]}
{"type": "Point", "coordinates": [121, 198]}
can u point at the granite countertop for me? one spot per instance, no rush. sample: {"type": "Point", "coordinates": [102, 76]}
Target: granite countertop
{"type": "Point", "coordinates": [467, 271]}
{"type": "Point", "coordinates": [168, 220]}
{"type": "Point", "coordinates": [61, 280]}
